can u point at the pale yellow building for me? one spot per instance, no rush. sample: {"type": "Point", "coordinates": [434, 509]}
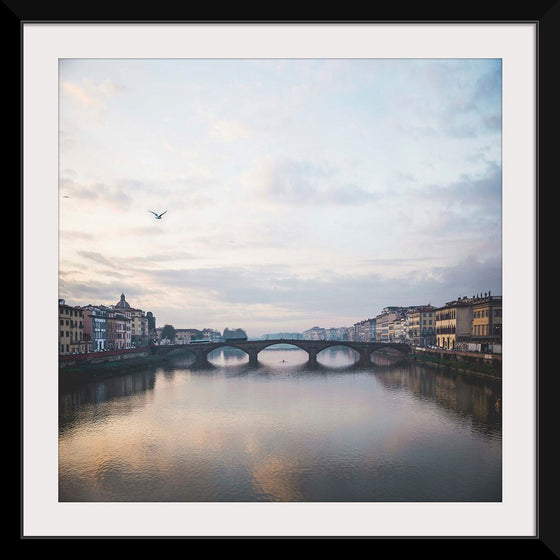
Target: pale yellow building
{"type": "Point", "coordinates": [139, 327]}
{"type": "Point", "coordinates": [453, 321]}
{"type": "Point", "coordinates": [71, 330]}
{"type": "Point", "coordinates": [486, 335]}
{"type": "Point", "coordinates": [422, 326]}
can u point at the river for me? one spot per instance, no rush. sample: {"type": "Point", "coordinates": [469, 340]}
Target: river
{"type": "Point", "coordinates": [282, 431]}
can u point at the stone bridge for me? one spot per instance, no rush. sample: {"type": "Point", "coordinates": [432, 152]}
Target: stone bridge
{"type": "Point", "coordinates": [312, 347]}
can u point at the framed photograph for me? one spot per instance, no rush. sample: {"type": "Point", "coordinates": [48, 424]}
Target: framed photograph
{"type": "Point", "coordinates": [270, 179]}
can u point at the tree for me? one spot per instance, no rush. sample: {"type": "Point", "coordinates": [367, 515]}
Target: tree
{"type": "Point", "coordinates": [151, 321]}
{"type": "Point", "coordinates": [168, 332]}
{"type": "Point", "coordinates": [235, 333]}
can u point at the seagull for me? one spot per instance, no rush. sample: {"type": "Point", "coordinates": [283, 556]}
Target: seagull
{"type": "Point", "coordinates": [158, 216]}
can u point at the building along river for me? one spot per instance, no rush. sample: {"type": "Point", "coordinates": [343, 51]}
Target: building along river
{"type": "Point", "coordinates": [281, 431]}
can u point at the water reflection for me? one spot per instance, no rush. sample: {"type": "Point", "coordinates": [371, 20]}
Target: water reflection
{"type": "Point", "coordinates": [472, 398]}
{"type": "Point", "coordinates": [74, 399]}
{"type": "Point", "coordinates": [229, 356]}
{"type": "Point", "coordinates": [338, 357]}
{"type": "Point", "coordinates": [283, 430]}
{"type": "Point", "coordinates": [282, 357]}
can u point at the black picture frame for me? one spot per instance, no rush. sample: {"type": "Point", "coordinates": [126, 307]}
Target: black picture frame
{"type": "Point", "coordinates": [15, 13]}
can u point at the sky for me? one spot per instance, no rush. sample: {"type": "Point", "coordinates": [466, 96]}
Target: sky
{"type": "Point", "coordinates": [297, 192]}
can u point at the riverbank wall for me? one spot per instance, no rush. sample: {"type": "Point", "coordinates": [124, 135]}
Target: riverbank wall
{"type": "Point", "coordinates": [70, 361]}
{"type": "Point", "coordinates": [476, 363]}
{"type": "Point", "coordinates": [98, 365]}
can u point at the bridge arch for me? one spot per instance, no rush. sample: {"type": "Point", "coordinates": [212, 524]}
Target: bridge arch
{"type": "Point", "coordinates": [350, 355]}
{"type": "Point", "coordinates": [267, 344]}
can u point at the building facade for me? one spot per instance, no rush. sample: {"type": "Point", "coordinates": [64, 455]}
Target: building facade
{"type": "Point", "coordinates": [422, 326]}
{"type": "Point", "coordinates": [71, 338]}
{"type": "Point", "coordinates": [453, 323]}
{"type": "Point", "coordinates": [385, 329]}
{"type": "Point", "coordinates": [95, 327]}
{"type": "Point", "coordinates": [486, 334]}
{"type": "Point", "coordinates": [183, 336]}
{"type": "Point", "coordinates": [315, 333]}
{"type": "Point", "coordinates": [337, 333]}
{"type": "Point", "coordinates": [398, 329]}
{"type": "Point", "coordinates": [364, 331]}
{"type": "Point", "coordinates": [118, 330]}
{"type": "Point", "coordinates": [138, 328]}
{"type": "Point", "coordinates": [212, 335]}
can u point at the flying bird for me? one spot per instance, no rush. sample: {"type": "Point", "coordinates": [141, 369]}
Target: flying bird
{"type": "Point", "coordinates": [158, 216]}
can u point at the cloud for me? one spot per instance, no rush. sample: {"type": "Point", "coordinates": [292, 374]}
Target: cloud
{"type": "Point", "coordinates": [230, 131]}
{"type": "Point", "coordinates": [96, 293]}
{"type": "Point", "coordinates": [358, 295]}
{"type": "Point", "coordinates": [296, 182]}
{"type": "Point", "coordinates": [78, 92]}
{"type": "Point", "coordinates": [482, 191]}
{"type": "Point", "coordinates": [264, 297]}
{"type": "Point", "coordinates": [91, 94]}
{"type": "Point", "coordinates": [451, 99]}
{"type": "Point", "coordinates": [96, 257]}
{"type": "Point", "coordinates": [119, 196]}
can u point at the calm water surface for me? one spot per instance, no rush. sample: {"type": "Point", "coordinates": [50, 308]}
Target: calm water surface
{"type": "Point", "coordinates": [281, 431]}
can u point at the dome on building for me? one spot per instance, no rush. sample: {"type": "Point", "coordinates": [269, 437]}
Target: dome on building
{"type": "Point", "coordinates": [123, 304]}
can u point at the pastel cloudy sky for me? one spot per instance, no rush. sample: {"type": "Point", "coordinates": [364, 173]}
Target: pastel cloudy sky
{"type": "Point", "coordinates": [298, 192]}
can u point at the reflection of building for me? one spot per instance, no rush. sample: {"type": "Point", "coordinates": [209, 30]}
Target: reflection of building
{"type": "Point", "coordinates": [71, 329]}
